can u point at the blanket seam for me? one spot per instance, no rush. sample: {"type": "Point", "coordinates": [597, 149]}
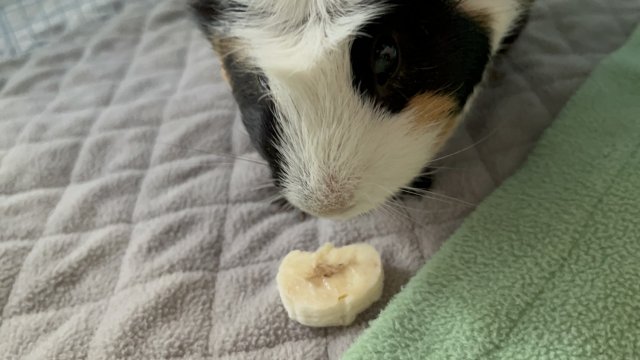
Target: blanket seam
{"type": "Point", "coordinates": [135, 52]}
{"type": "Point", "coordinates": [47, 107]}
{"type": "Point", "coordinates": [210, 346]}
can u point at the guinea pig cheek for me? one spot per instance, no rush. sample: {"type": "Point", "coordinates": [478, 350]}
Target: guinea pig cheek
{"type": "Point", "coordinates": [434, 113]}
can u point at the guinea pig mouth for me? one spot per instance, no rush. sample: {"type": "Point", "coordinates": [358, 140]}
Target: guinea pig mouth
{"type": "Point", "coordinates": [330, 196]}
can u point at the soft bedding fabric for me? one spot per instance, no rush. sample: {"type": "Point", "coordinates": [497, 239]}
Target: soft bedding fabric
{"type": "Point", "coordinates": [127, 231]}
{"type": "Point", "coordinates": [542, 269]}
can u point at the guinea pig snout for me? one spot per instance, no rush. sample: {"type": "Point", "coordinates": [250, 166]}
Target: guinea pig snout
{"type": "Point", "coordinates": [330, 197]}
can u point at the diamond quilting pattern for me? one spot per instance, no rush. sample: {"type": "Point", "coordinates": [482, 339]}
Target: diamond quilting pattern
{"type": "Point", "coordinates": [134, 221]}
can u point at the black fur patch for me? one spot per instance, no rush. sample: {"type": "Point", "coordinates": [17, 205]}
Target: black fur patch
{"type": "Point", "coordinates": [442, 50]}
{"type": "Point", "coordinates": [250, 89]}
{"type": "Point", "coordinates": [206, 13]}
{"type": "Point", "coordinates": [249, 85]}
{"type": "Point", "coordinates": [211, 14]}
{"type": "Point", "coordinates": [422, 182]}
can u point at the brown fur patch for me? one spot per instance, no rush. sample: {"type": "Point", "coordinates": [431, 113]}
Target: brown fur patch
{"type": "Point", "coordinates": [223, 72]}
{"type": "Point", "coordinates": [222, 47]}
{"type": "Point", "coordinates": [435, 111]}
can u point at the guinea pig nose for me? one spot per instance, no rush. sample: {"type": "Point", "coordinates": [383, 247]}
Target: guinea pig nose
{"type": "Point", "coordinates": [335, 196]}
{"type": "Point", "coordinates": [330, 197]}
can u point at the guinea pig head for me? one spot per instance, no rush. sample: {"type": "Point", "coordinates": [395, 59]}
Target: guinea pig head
{"type": "Point", "coordinates": [349, 100]}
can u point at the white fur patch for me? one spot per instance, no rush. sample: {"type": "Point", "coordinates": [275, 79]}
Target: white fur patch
{"type": "Point", "coordinates": [292, 35]}
{"type": "Point", "coordinates": [502, 14]}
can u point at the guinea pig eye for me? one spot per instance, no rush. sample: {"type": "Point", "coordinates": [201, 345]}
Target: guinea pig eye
{"type": "Point", "coordinates": [385, 59]}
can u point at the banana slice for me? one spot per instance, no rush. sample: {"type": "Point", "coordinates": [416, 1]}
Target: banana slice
{"type": "Point", "coordinates": [331, 286]}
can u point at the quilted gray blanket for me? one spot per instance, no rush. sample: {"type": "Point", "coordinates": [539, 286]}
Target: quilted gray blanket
{"type": "Point", "coordinates": [134, 214]}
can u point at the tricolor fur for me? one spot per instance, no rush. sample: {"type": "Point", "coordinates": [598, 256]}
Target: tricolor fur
{"type": "Point", "coordinates": [338, 142]}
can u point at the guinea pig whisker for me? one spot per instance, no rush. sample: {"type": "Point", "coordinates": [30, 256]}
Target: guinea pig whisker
{"type": "Point", "coordinates": [397, 201]}
{"type": "Point", "coordinates": [205, 152]}
{"type": "Point", "coordinates": [439, 169]}
{"type": "Point", "coordinates": [382, 207]}
{"type": "Point", "coordinates": [395, 213]}
{"type": "Point", "coordinates": [265, 183]}
{"type": "Point", "coordinates": [395, 210]}
{"type": "Point", "coordinates": [404, 213]}
{"type": "Point", "coordinates": [443, 197]}
{"type": "Point", "coordinates": [467, 148]}
{"type": "Point", "coordinates": [276, 199]}
{"type": "Point", "coordinates": [426, 196]}
{"type": "Point", "coordinates": [281, 203]}
{"type": "Point", "coordinates": [262, 187]}
{"type": "Point", "coordinates": [412, 192]}
{"type": "Point", "coordinates": [375, 207]}
{"type": "Point", "coordinates": [429, 173]}
{"type": "Point", "coordinates": [400, 204]}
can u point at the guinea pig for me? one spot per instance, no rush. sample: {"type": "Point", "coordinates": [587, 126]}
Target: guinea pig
{"type": "Point", "coordinates": [350, 100]}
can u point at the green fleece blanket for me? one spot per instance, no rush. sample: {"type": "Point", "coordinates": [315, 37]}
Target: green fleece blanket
{"type": "Point", "coordinates": [548, 267]}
